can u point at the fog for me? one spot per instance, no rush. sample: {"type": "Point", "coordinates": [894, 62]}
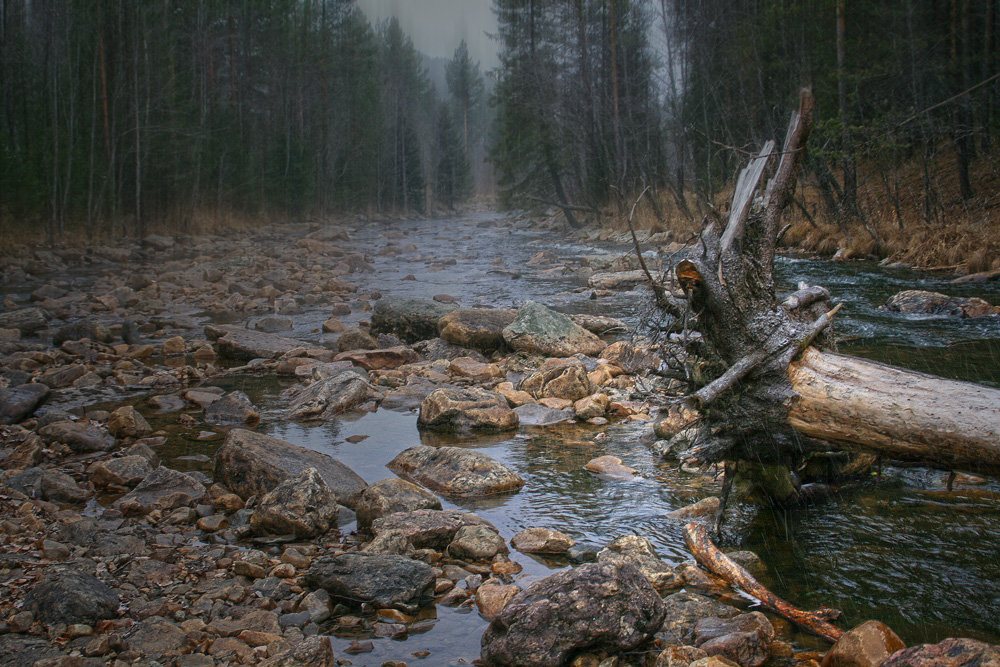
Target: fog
{"type": "Point", "coordinates": [437, 26]}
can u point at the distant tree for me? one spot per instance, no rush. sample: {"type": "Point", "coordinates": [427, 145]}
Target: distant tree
{"type": "Point", "coordinates": [452, 168]}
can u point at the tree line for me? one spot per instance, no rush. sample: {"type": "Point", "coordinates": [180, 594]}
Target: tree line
{"type": "Point", "coordinates": [117, 115]}
{"type": "Point", "coordinates": [600, 97]}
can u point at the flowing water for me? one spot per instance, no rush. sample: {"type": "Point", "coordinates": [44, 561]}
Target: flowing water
{"type": "Point", "coordinates": [898, 547]}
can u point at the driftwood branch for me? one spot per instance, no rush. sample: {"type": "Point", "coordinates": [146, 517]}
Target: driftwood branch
{"type": "Point", "coordinates": [718, 563]}
{"type": "Point", "coordinates": [746, 186]}
{"type": "Point", "coordinates": [805, 296]}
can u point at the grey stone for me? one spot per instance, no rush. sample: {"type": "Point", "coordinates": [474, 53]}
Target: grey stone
{"type": "Point", "coordinates": [66, 595]}
{"type": "Point", "coordinates": [382, 580]}
{"type": "Point", "coordinates": [392, 495]}
{"type": "Point", "coordinates": [410, 319]}
{"type": "Point", "coordinates": [455, 471]}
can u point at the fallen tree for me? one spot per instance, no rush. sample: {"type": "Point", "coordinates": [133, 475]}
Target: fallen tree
{"type": "Point", "coordinates": [764, 396]}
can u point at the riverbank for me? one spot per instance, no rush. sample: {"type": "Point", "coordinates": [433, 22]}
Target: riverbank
{"type": "Point", "coordinates": [172, 333]}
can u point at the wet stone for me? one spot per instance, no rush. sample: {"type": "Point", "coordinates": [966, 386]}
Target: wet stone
{"type": "Point", "coordinates": [234, 408]}
{"type": "Point", "coordinates": [66, 595]}
{"type": "Point", "coordinates": [867, 645]}
{"type": "Point", "coordinates": [455, 471]}
{"type": "Point", "coordinates": [125, 471]}
{"type": "Point", "coordinates": [466, 409]}
{"type": "Point", "coordinates": [331, 396]}
{"type": "Point", "coordinates": [18, 403]}
{"type": "Point", "coordinates": [539, 330]}
{"type": "Point", "coordinates": [542, 540]}
{"type": "Point", "coordinates": [392, 495]}
{"type": "Point", "coordinates": [383, 580]}
{"type": "Point", "coordinates": [81, 437]}
{"type": "Point", "coordinates": [302, 505]}
{"type": "Point", "coordinates": [164, 488]}
{"type": "Point", "coordinates": [432, 529]}
{"type": "Point", "coordinates": [639, 552]}
{"type": "Point", "coordinates": [477, 543]}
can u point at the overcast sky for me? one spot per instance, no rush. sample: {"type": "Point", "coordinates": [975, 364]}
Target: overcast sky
{"type": "Point", "coordinates": [437, 26]}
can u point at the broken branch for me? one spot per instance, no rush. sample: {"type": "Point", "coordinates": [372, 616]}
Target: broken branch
{"type": "Point", "coordinates": [718, 563]}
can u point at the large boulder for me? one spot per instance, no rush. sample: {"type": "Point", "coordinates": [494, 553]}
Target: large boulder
{"type": "Point", "coordinates": [539, 330]}
{"type": "Point", "coordinates": [477, 328]}
{"type": "Point", "coordinates": [428, 529]}
{"type": "Point", "coordinates": [66, 595]}
{"type": "Point", "coordinates": [392, 495]}
{"type": "Point", "coordinates": [606, 605]}
{"type": "Point", "coordinates": [303, 506]}
{"type": "Point", "coordinates": [454, 409]}
{"type": "Point", "coordinates": [379, 579]}
{"type": "Point", "coordinates": [455, 471]}
{"type": "Point", "coordinates": [245, 344]}
{"type": "Point", "coordinates": [331, 396]}
{"type": "Point", "coordinates": [867, 645]}
{"type": "Point", "coordinates": [17, 403]}
{"type": "Point", "coordinates": [81, 437]}
{"type": "Point", "coordinates": [251, 464]}
{"type": "Point", "coordinates": [568, 381]}
{"type": "Point", "coordinates": [920, 302]}
{"type": "Point", "coordinates": [948, 653]}
{"type": "Point", "coordinates": [410, 319]}
{"type": "Point", "coordinates": [164, 488]}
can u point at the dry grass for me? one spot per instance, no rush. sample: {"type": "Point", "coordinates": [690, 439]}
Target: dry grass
{"type": "Point", "coordinates": [960, 236]}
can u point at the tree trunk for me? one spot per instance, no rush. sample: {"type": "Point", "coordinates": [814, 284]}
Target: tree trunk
{"type": "Point", "coordinates": [765, 405]}
{"type": "Point", "coordinates": [896, 413]}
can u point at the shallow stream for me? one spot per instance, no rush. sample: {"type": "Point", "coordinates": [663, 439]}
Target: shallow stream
{"type": "Point", "coordinates": [899, 547]}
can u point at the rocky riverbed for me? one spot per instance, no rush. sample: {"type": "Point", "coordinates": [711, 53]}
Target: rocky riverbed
{"type": "Point", "coordinates": [151, 512]}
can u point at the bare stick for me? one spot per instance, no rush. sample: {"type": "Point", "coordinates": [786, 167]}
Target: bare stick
{"type": "Point", "coordinates": [705, 552]}
{"type": "Point", "coordinates": [657, 287]}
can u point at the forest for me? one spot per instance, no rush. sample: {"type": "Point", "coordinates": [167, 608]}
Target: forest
{"type": "Point", "coordinates": [128, 116]}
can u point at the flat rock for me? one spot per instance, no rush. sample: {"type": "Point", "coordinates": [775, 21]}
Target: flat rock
{"type": "Point", "coordinates": [81, 437]}
{"type": "Point", "coordinates": [455, 471]}
{"type": "Point", "coordinates": [533, 414]}
{"type": "Point", "coordinates": [67, 595]}
{"type": "Point", "coordinates": [476, 328]}
{"type": "Point", "coordinates": [245, 344]}
{"type": "Point", "coordinates": [948, 653]}
{"type": "Point", "coordinates": [613, 279]}
{"type": "Point", "coordinates": [392, 495]}
{"type": "Point", "coordinates": [155, 637]}
{"type": "Point", "coordinates": [303, 506]}
{"type": "Point", "coordinates": [466, 409]}
{"type": "Point", "coordinates": [428, 529]}
{"type": "Point", "coordinates": [602, 604]}
{"type": "Point", "coordinates": [328, 397]}
{"type": "Point", "coordinates": [539, 330]}
{"type": "Point", "coordinates": [164, 488]}
{"type": "Point", "coordinates": [920, 302]}
{"type": "Point", "coordinates": [542, 541]}
{"type": "Point", "coordinates": [381, 359]}
{"type": "Point", "coordinates": [382, 580]}
{"type": "Point", "coordinates": [409, 318]}
{"type": "Point", "coordinates": [251, 464]}
{"type": "Point", "coordinates": [18, 403]}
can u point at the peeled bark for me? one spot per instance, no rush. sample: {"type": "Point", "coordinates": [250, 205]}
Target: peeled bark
{"type": "Point", "coordinates": [896, 413]}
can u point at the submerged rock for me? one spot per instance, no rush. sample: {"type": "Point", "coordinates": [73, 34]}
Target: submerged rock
{"type": "Point", "coordinates": [539, 330]}
{"type": "Point", "coordinates": [455, 471]}
{"type": "Point", "coordinates": [251, 464]}
{"type": "Point", "coordinates": [920, 302]}
{"type": "Point", "coordinates": [302, 505]}
{"type": "Point", "coordinates": [466, 409]}
{"type": "Point", "coordinates": [533, 414]}
{"type": "Point", "coordinates": [607, 604]}
{"type": "Point", "coordinates": [382, 580]}
{"type": "Point", "coordinates": [245, 344]}
{"type": "Point", "coordinates": [233, 409]}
